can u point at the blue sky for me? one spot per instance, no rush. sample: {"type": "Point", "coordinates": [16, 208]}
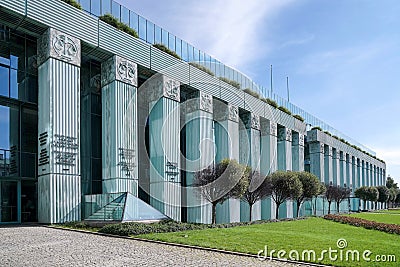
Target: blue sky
{"type": "Point", "coordinates": [342, 57]}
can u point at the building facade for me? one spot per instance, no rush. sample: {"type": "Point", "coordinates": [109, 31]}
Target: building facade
{"type": "Point", "coordinates": [92, 116]}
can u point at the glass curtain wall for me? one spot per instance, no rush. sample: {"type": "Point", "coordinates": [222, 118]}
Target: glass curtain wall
{"type": "Point", "coordinates": [18, 124]}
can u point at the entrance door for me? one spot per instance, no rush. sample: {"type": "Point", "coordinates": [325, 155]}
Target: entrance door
{"type": "Point", "coordinates": [8, 201]}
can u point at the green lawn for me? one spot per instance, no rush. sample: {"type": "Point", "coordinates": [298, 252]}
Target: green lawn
{"type": "Point", "coordinates": [393, 218]}
{"type": "Point", "coordinates": [391, 211]}
{"type": "Point", "coordinates": [312, 234]}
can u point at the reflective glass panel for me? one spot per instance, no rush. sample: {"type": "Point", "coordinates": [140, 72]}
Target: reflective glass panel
{"type": "Point", "coordinates": [116, 10]}
{"type": "Point", "coordinates": [142, 28]}
{"type": "Point", "coordinates": [125, 15]}
{"type": "Point", "coordinates": [150, 32]}
{"type": "Point", "coordinates": [85, 4]}
{"type": "Point", "coordinates": [95, 7]}
{"type": "Point", "coordinates": [133, 21]}
{"type": "Point", "coordinates": [105, 7]}
{"type": "Point", "coordinates": [157, 35]}
{"type": "Point", "coordinates": [4, 80]}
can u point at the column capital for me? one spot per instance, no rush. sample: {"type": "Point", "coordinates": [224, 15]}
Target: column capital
{"type": "Point", "coordinates": [251, 121]}
{"type": "Point", "coordinates": [58, 45]}
{"type": "Point", "coordinates": [201, 101]}
{"type": "Point", "coordinates": [118, 69]}
{"type": "Point", "coordinates": [284, 134]}
{"type": "Point", "coordinates": [162, 86]}
{"type": "Point", "coordinates": [298, 139]}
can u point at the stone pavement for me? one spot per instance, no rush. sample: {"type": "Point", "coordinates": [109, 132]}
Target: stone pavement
{"type": "Point", "coordinates": [42, 246]}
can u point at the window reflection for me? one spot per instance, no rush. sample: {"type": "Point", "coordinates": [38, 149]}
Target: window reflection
{"type": "Point", "coordinates": [116, 10]}
{"type": "Point", "coordinates": [105, 7]}
{"type": "Point", "coordinates": [95, 7]}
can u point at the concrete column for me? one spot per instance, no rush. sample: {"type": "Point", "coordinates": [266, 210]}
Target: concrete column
{"type": "Point", "coordinates": [328, 166]}
{"type": "Point", "coordinates": [199, 151]}
{"type": "Point", "coordinates": [269, 163]}
{"type": "Point", "coordinates": [226, 118]}
{"type": "Point", "coordinates": [249, 149]}
{"type": "Point", "coordinates": [342, 166]}
{"type": "Point", "coordinates": [119, 126]}
{"type": "Point", "coordinates": [335, 166]}
{"type": "Point", "coordinates": [285, 164]}
{"type": "Point", "coordinates": [163, 97]}
{"type": "Point", "coordinates": [317, 167]}
{"type": "Point", "coordinates": [59, 170]}
{"type": "Point", "coordinates": [297, 151]}
{"type": "Point", "coordinates": [349, 171]}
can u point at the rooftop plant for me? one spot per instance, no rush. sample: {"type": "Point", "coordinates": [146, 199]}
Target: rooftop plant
{"type": "Point", "coordinates": [300, 118]}
{"type": "Point", "coordinates": [282, 108]}
{"type": "Point", "coordinates": [73, 3]}
{"type": "Point", "coordinates": [111, 20]}
{"type": "Point", "coordinates": [316, 128]}
{"type": "Point", "coordinates": [231, 82]}
{"type": "Point", "coordinates": [251, 92]}
{"type": "Point", "coordinates": [270, 102]}
{"type": "Point", "coordinates": [166, 50]}
{"type": "Point", "coordinates": [201, 67]}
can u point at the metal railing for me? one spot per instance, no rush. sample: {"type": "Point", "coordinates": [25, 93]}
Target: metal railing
{"type": "Point", "coordinates": [153, 34]}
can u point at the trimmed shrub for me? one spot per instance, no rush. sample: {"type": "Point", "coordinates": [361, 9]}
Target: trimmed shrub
{"type": "Point", "coordinates": [251, 92]}
{"type": "Point", "coordinates": [384, 227]}
{"type": "Point", "coordinates": [201, 67]}
{"type": "Point", "coordinates": [166, 50]}
{"type": "Point", "coordinates": [73, 3]}
{"type": "Point", "coordinates": [300, 118]}
{"type": "Point", "coordinates": [281, 108]}
{"type": "Point", "coordinates": [328, 133]}
{"type": "Point", "coordinates": [231, 82]}
{"type": "Point", "coordinates": [111, 20]}
{"type": "Point", "coordinates": [316, 128]}
{"type": "Point", "coordinates": [135, 228]}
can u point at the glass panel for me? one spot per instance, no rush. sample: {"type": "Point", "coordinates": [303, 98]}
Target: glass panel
{"type": "Point", "coordinates": [14, 85]}
{"type": "Point", "coordinates": [5, 127]}
{"type": "Point", "coordinates": [164, 37]}
{"type": "Point", "coordinates": [171, 42]}
{"type": "Point", "coordinates": [116, 10]}
{"type": "Point", "coordinates": [4, 81]}
{"type": "Point", "coordinates": [133, 21]}
{"type": "Point", "coordinates": [195, 55]}
{"type": "Point", "coordinates": [125, 15]}
{"type": "Point", "coordinates": [28, 201]}
{"type": "Point", "coordinates": [31, 54]}
{"type": "Point", "coordinates": [95, 7]}
{"type": "Point", "coordinates": [29, 128]}
{"type": "Point", "coordinates": [178, 47]}
{"type": "Point", "coordinates": [8, 202]}
{"type": "Point", "coordinates": [185, 55]}
{"type": "Point", "coordinates": [150, 32]}
{"type": "Point", "coordinates": [142, 28]}
{"type": "Point", "coordinates": [105, 7]}
{"type": "Point", "coordinates": [96, 136]}
{"type": "Point", "coordinates": [85, 5]}
{"type": "Point", "coordinates": [157, 34]}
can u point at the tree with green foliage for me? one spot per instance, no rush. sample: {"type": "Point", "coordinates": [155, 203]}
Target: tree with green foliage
{"type": "Point", "coordinates": [373, 194]}
{"type": "Point", "coordinates": [390, 183]}
{"type": "Point", "coordinates": [330, 191]}
{"type": "Point", "coordinates": [285, 185]}
{"type": "Point", "coordinates": [362, 193]}
{"type": "Point", "coordinates": [311, 188]}
{"type": "Point", "coordinates": [258, 188]}
{"type": "Point", "coordinates": [383, 194]}
{"type": "Point", "coordinates": [340, 194]}
{"type": "Point", "coordinates": [220, 182]}
{"type": "Point", "coordinates": [393, 193]}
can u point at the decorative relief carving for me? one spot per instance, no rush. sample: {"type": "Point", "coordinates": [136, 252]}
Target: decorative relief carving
{"type": "Point", "coordinates": [206, 102]}
{"type": "Point", "coordinates": [273, 128]}
{"type": "Point", "coordinates": [288, 135]}
{"type": "Point", "coordinates": [56, 44]}
{"type": "Point", "coordinates": [171, 89]}
{"type": "Point", "coordinates": [233, 113]}
{"type": "Point", "coordinates": [301, 140]}
{"type": "Point", "coordinates": [322, 148]}
{"type": "Point", "coordinates": [255, 121]}
{"type": "Point", "coordinates": [118, 69]}
{"type": "Point", "coordinates": [126, 71]}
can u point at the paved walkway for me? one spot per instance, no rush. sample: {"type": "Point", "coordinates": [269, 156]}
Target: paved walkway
{"type": "Point", "coordinates": [41, 246]}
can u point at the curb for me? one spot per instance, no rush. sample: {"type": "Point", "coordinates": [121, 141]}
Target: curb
{"type": "Point", "coordinates": [185, 246]}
